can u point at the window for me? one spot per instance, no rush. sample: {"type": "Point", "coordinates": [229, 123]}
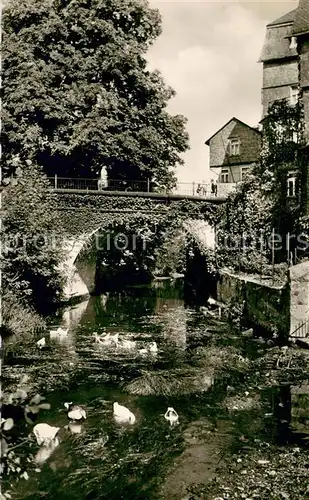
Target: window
{"type": "Point", "coordinates": [293, 95]}
{"type": "Point", "coordinates": [234, 147]}
{"type": "Point", "coordinates": [224, 177]}
{"type": "Point", "coordinates": [293, 42]}
{"type": "Point", "coordinates": [291, 184]}
{"type": "Point", "coordinates": [243, 172]}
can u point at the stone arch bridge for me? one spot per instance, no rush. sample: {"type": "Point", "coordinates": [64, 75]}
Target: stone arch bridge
{"type": "Point", "coordinates": [83, 214]}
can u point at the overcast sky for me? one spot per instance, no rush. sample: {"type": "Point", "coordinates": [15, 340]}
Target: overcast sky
{"type": "Point", "coordinates": [208, 53]}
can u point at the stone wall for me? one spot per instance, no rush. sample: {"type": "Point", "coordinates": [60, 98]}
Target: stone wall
{"type": "Point", "coordinates": [299, 285]}
{"type": "Point", "coordinates": [265, 305]}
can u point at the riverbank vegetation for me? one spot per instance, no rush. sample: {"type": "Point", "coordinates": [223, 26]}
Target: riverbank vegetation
{"type": "Point", "coordinates": [31, 251]}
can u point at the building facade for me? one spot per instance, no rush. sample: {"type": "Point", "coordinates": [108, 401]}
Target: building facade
{"type": "Point", "coordinates": [280, 62]}
{"type": "Point", "coordinates": [285, 58]}
{"type": "Point", "coordinates": [233, 151]}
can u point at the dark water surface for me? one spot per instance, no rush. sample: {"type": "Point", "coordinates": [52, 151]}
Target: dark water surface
{"type": "Point", "coordinates": [106, 460]}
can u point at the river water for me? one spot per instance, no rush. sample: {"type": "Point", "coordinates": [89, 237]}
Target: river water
{"type": "Point", "coordinates": [191, 372]}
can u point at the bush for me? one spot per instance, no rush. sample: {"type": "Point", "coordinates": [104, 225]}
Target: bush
{"type": "Point", "coordinates": [17, 317]}
{"type": "Point", "coordinates": [31, 236]}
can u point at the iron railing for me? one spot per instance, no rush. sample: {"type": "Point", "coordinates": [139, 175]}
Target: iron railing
{"type": "Point", "coordinates": [200, 189]}
{"type": "Point", "coordinates": [301, 331]}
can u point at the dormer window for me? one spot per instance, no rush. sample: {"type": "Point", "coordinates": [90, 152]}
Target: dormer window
{"type": "Point", "coordinates": [234, 147]}
{"type": "Point", "coordinates": [293, 42]}
{"type": "Point", "coordinates": [293, 95]}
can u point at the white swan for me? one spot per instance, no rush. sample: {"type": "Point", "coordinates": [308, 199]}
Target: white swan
{"type": "Point", "coordinates": [153, 347]}
{"type": "Point", "coordinates": [75, 412]}
{"type": "Point", "coordinates": [107, 339]}
{"type": "Point", "coordinates": [99, 339]}
{"type": "Point", "coordinates": [59, 333]}
{"type": "Point", "coordinates": [113, 339]}
{"type": "Point", "coordinates": [123, 414]}
{"type": "Point", "coordinates": [41, 343]}
{"type": "Point", "coordinates": [171, 415]}
{"type": "Point", "coordinates": [127, 344]}
{"type": "Point", "coordinates": [45, 433]}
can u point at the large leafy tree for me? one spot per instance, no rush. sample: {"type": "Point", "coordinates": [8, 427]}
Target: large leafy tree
{"type": "Point", "coordinates": [78, 94]}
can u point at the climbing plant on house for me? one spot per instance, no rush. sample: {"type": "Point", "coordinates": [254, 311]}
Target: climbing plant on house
{"type": "Point", "coordinates": [245, 226]}
{"type": "Point", "coordinates": [283, 169]}
{"type": "Point", "coordinates": [264, 203]}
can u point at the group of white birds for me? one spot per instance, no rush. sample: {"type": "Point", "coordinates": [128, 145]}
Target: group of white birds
{"type": "Point", "coordinates": [58, 334]}
{"type": "Point", "coordinates": [46, 435]}
{"type": "Point", "coordinates": [109, 340]}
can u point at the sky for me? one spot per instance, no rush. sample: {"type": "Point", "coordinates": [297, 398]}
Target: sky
{"type": "Point", "coordinates": [208, 52]}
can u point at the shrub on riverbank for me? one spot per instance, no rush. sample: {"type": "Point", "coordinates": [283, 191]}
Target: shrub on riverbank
{"type": "Point", "coordinates": [31, 238]}
{"type": "Point", "coordinates": [17, 317]}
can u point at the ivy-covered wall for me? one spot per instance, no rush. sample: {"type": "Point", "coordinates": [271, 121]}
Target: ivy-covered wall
{"type": "Point", "coordinates": [81, 213]}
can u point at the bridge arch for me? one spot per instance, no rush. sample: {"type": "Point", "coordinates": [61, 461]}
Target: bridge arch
{"type": "Point", "coordinates": [84, 216]}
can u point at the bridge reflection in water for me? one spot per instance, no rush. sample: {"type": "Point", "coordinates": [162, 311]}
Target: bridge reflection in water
{"type": "Point", "coordinates": [194, 190]}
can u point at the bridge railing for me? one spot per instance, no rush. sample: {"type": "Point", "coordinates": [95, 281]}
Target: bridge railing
{"type": "Point", "coordinates": [140, 186]}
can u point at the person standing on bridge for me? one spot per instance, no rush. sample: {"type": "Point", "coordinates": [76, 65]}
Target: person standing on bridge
{"type": "Point", "coordinates": [103, 182]}
{"type": "Point", "coordinates": [214, 188]}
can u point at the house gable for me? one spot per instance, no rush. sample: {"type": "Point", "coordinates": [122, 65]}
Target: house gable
{"type": "Point", "coordinates": [220, 149]}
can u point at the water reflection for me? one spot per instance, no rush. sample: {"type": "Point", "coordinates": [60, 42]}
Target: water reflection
{"type": "Point", "coordinates": [45, 452]}
{"type": "Point", "coordinates": [75, 428]}
{"type": "Point", "coordinates": [290, 406]}
{"type": "Point", "coordinates": [72, 315]}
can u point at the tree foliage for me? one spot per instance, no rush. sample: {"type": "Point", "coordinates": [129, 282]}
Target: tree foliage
{"type": "Point", "coordinates": [19, 408]}
{"type": "Point", "coordinates": [78, 94]}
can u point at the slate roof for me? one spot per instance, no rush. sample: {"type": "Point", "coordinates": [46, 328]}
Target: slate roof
{"type": "Point", "coordinates": [301, 23]}
{"type": "Point", "coordinates": [227, 123]}
{"type": "Point", "coordinates": [286, 18]}
{"type": "Point", "coordinates": [277, 44]}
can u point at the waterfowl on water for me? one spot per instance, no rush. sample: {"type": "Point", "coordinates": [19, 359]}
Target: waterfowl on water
{"type": "Point", "coordinates": [45, 433]}
{"type": "Point", "coordinates": [114, 338]}
{"type": "Point", "coordinates": [59, 333]}
{"type": "Point", "coordinates": [75, 412]}
{"type": "Point", "coordinates": [127, 344]}
{"type": "Point", "coordinates": [98, 338]}
{"type": "Point", "coordinates": [41, 343]}
{"type": "Point", "coordinates": [123, 414]}
{"type": "Point", "coordinates": [171, 415]}
{"type": "Point", "coordinates": [107, 339]}
{"type": "Point", "coordinates": [153, 347]}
